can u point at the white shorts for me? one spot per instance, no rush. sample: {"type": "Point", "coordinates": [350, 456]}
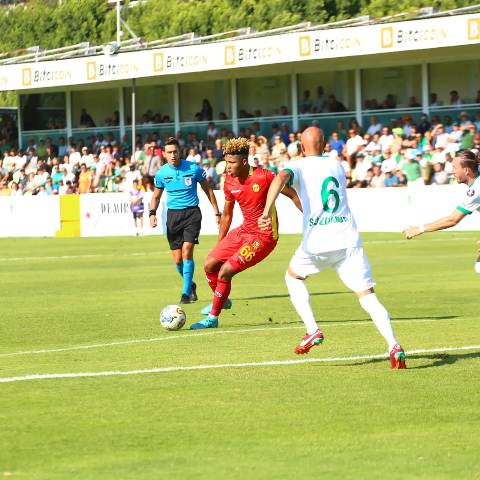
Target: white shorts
{"type": "Point", "coordinates": [351, 265]}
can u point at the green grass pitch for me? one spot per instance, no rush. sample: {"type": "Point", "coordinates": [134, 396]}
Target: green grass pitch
{"type": "Point", "coordinates": [339, 419]}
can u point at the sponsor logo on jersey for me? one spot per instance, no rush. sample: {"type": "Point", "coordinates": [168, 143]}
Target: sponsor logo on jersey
{"type": "Point", "coordinates": [326, 220]}
{"type": "Point", "coordinates": [471, 192]}
{"type": "Point", "coordinates": [236, 191]}
{"type": "Point", "coordinates": [256, 187]}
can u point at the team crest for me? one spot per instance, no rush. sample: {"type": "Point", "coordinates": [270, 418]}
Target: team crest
{"type": "Point", "coordinates": [255, 244]}
{"type": "Point", "coordinates": [188, 181]}
{"type": "Point", "coordinates": [256, 187]}
{"type": "Point", "coordinates": [471, 192]}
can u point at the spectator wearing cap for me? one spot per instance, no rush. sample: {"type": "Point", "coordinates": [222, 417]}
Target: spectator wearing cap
{"type": "Point", "coordinates": [211, 174]}
{"type": "Point", "coordinates": [390, 179]}
{"type": "Point", "coordinates": [455, 98]}
{"type": "Point", "coordinates": [412, 170]}
{"type": "Point", "coordinates": [362, 167]}
{"type": "Point", "coordinates": [464, 118]}
{"type": "Point", "coordinates": [40, 179]}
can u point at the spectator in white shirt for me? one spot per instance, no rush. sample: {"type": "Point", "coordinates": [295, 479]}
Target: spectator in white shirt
{"type": "Point", "coordinates": [386, 139]}
{"type": "Point", "coordinates": [354, 143]}
{"type": "Point", "coordinates": [75, 156]}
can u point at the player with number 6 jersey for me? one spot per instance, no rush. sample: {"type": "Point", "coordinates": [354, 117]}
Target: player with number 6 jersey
{"type": "Point", "coordinates": [247, 245]}
{"type": "Point", "coordinates": [330, 239]}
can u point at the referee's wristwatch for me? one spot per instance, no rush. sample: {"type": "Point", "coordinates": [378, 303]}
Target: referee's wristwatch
{"type": "Point", "coordinates": [152, 213]}
{"type": "Point", "coordinates": [219, 214]}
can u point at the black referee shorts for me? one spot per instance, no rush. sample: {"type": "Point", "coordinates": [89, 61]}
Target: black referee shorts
{"type": "Point", "coordinates": [183, 226]}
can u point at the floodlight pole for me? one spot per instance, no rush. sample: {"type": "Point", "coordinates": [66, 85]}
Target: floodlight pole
{"type": "Point", "coordinates": [119, 25]}
{"type": "Point", "coordinates": [134, 82]}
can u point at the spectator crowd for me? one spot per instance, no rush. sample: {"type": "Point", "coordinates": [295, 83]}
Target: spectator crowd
{"type": "Point", "coordinates": [401, 153]}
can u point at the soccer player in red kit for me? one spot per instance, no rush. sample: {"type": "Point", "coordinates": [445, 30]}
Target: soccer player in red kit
{"type": "Point", "coordinates": [247, 245]}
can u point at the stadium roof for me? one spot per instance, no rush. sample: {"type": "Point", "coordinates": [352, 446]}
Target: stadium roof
{"type": "Point", "coordinates": [37, 54]}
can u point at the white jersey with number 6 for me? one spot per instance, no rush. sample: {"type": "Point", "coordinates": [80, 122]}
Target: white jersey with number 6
{"type": "Point", "coordinates": [328, 223]}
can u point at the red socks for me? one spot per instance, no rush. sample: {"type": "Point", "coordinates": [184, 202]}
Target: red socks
{"type": "Point", "coordinates": [220, 296]}
{"type": "Point", "coordinates": [212, 279]}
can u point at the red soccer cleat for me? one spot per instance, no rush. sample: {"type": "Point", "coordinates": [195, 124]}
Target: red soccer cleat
{"type": "Point", "coordinates": [308, 342]}
{"type": "Point", "coordinates": [397, 358]}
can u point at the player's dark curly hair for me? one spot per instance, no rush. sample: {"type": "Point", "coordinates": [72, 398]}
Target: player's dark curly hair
{"type": "Point", "coordinates": [237, 146]}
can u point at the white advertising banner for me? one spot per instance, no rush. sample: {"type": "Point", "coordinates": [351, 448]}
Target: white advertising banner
{"type": "Point", "coordinates": [109, 214]}
{"type": "Point", "coordinates": [374, 209]}
{"type": "Point", "coordinates": [29, 216]}
{"type": "Point", "coordinates": [263, 50]}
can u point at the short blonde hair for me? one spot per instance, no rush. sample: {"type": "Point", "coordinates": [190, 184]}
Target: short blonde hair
{"type": "Point", "coordinates": [237, 146]}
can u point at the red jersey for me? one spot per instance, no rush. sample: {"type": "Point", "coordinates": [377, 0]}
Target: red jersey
{"type": "Point", "coordinates": [251, 196]}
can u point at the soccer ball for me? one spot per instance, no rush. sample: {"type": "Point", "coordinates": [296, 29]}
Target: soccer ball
{"type": "Point", "coordinates": [173, 317]}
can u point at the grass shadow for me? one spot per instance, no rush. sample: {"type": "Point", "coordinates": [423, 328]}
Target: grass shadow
{"type": "Point", "coordinates": [286, 295]}
{"type": "Point", "coordinates": [436, 360]}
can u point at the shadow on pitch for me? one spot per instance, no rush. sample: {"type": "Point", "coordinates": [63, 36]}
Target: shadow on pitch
{"type": "Point", "coordinates": [435, 360]}
{"type": "Point", "coordinates": [286, 295]}
{"type": "Point", "coordinates": [272, 321]}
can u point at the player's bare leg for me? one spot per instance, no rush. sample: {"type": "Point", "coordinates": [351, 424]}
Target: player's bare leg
{"type": "Point", "coordinates": [379, 314]}
{"type": "Point", "coordinates": [300, 299]}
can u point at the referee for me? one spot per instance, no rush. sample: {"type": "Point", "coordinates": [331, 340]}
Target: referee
{"type": "Point", "coordinates": [184, 218]}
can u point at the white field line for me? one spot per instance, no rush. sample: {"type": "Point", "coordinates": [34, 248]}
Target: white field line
{"type": "Point", "coordinates": [269, 363]}
{"type": "Point", "coordinates": [75, 257]}
{"type": "Point", "coordinates": [141, 254]}
{"type": "Point", "coordinates": [198, 335]}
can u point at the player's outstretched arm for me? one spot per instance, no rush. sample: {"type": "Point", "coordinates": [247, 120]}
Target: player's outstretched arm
{"type": "Point", "coordinates": [154, 202]}
{"type": "Point", "coordinates": [277, 185]}
{"type": "Point", "coordinates": [440, 224]}
{"type": "Point", "coordinates": [212, 198]}
{"type": "Point", "coordinates": [226, 219]}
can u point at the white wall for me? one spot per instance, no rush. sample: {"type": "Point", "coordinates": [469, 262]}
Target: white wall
{"type": "Point", "coordinates": [100, 104]}
{"type": "Point", "coordinates": [402, 82]}
{"type": "Point", "coordinates": [265, 93]}
{"type": "Point", "coordinates": [461, 76]}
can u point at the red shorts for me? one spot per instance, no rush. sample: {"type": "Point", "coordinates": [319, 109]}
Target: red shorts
{"type": "Point", "coordinates": [242, 249]}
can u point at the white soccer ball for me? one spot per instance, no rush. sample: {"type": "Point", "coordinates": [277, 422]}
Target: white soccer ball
{"type": "Point", "coordinates": [173, 317]}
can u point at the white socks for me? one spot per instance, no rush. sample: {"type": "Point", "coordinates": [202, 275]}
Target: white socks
{"type": "Point", "coordinates": [301, 301]}
{"type": "Point", "coordinates": [380, 318]}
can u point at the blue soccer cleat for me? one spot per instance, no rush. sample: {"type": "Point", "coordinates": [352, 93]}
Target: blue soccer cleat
{"type": "Point", "coordinates": [208, 322]}
{"type": "Point", "coordinates": [206, 310]}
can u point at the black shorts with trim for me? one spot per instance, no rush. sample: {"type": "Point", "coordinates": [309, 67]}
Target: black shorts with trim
{"type": "Point", "coordinates": [183, 226]}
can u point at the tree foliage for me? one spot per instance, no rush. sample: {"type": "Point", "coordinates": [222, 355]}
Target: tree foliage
{"type": "Point", "coordinates": [50, 25]}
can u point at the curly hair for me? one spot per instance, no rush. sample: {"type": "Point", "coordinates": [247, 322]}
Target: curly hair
{"type": "Point", "coordinates": [237, 146]}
